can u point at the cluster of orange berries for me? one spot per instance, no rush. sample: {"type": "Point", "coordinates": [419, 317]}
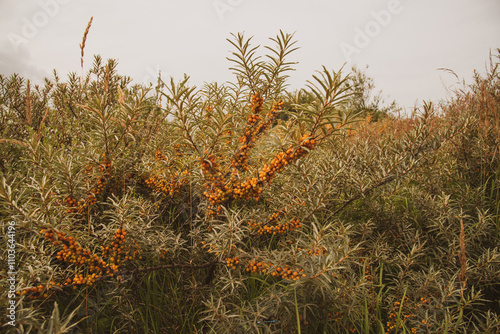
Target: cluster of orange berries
{"type": "Point", "coordinates": [408, 314]}
{"type": "Point", "coordinates": [177, 149]}
{"type": "Point", "coordinates": [40, 291]}
{"type": "Point", "coordinates": [286, 272]}
{"type": "Point", "coordinates": [257, 102]}
{"type": "Point", "coordinates": [280, 228]}
{"type": "Point", "coordinates": [72, 204]}
{"type": "Point", "coordinates": [83, 280]}
{"type": "Point", "coordinates": [163, 254]}
{"type": "Point", "coordinates": [221, 193]}
{"type": "Point", "coordinates": [105, 163]}
{"type": "Point", "coordinates": [209, 111]}
{"type": "Point", "coordinates": [159, 156]}
{"type": "Point", "coordinates": [253, 129]}
{"type": "Point", "coordinates": [316, 251]}
{"type": "Point", "coordinates": [292, 154]}
{"type": "Point", "coordinates": [209, 166]}
{"type": "Point", "coordinates": [289, 273]}
{"type": "Point", "coordinates": [252, 120]}
{"type": "Point", "coordinates": [117, 252]}
{"type": "Point", "coordinates": [251, 188]}
{"type": "Point", "coordinates": [277, 106]}
{"type": "Point", "coordinates": [105, 169]}
{"type": "Point", "coordinates": [307, 141]}
{"type": "Point", "coordinates": [240, 160]}
{"type": "Point", "coordinates": [72, 252]}
{"type": "Point", "coordinates": [169, 188]}
{"type": "Point", "coordinates": [217, 190]}
{"type": "Point", "coordinates": [270, 227]}
{"type": "Point", "coordinates": [232, 262]}
{"type": "Point", "coordinates": [257, 267]}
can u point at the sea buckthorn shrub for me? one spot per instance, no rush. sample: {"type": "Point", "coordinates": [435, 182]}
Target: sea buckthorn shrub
{"type": "Point", "coordinates": [245, 208]}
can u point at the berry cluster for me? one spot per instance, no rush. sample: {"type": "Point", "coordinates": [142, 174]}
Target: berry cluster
{"type": "Point", "coordinates": [240, 160]}
{"type": "Point", "coordinates": [288, 273]}
{"type": "Point", "coordinates": [251, 188]}
{"type": "Point", "coordinates": [257, 267]}
{"type": "Point", "coordinates": [72, 252]}
{"type": "Point", "coordinates": [169, 188]}
{"type": "Point", "coordinates": [209, 110]}
{"type": "Point", "coordinates": [319, 251]}
{"type": "Point", "coordinates": [217, 191]}
{"type": "Point", "coordinates": [253, 129]}
{"type": "Point", "coordinates": [105, 169]}
{"type": "Point", "coordinates": [368, 270]}
{"type": "Point", "coordinates": [177, 149]}
{"type": "Point", "coordinates": [271, 226]}
{"type": "Point", "coordinates": [83, 280]}
{"type": "Point", "coordinates": [72, 204]}
{"type": "Point", "coordinates": [232, 262]}
{"type": "Point", "coordinates": [315, 251]}
{"type": "Point", "coordinates": [284, 272]}
{"type": "Point", "coordinates": [159, 156]}
{"type": "Point", "coordinates": [408, 316]}
{"type": "Point", "coordinates": [40, 291]}
{"type": "Point", "coordinates": [292, 154]}
{"type": "Point", "coordinates": [117, 252]}
{"type": "Point", "coordinates": [256, 104]}
{"type": "Point", "coordinates": [281, 228]}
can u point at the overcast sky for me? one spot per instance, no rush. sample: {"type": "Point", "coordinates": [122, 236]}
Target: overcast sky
{"type": "Point", "coordinates": [404, 42]}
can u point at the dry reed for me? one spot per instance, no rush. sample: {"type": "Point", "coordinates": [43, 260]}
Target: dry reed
{"type": "Point", "coordinates": [82, 46]}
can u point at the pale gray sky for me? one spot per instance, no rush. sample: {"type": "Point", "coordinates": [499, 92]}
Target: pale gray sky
{"type": "Point", "coordinates": [404, 42]}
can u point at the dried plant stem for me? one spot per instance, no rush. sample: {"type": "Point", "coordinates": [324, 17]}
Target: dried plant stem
{"type": "Point", "coordinates": [82, 46]}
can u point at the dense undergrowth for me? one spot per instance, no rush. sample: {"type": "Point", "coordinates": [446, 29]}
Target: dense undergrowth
{"type": "Point", "coordinates": [244, 208]}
